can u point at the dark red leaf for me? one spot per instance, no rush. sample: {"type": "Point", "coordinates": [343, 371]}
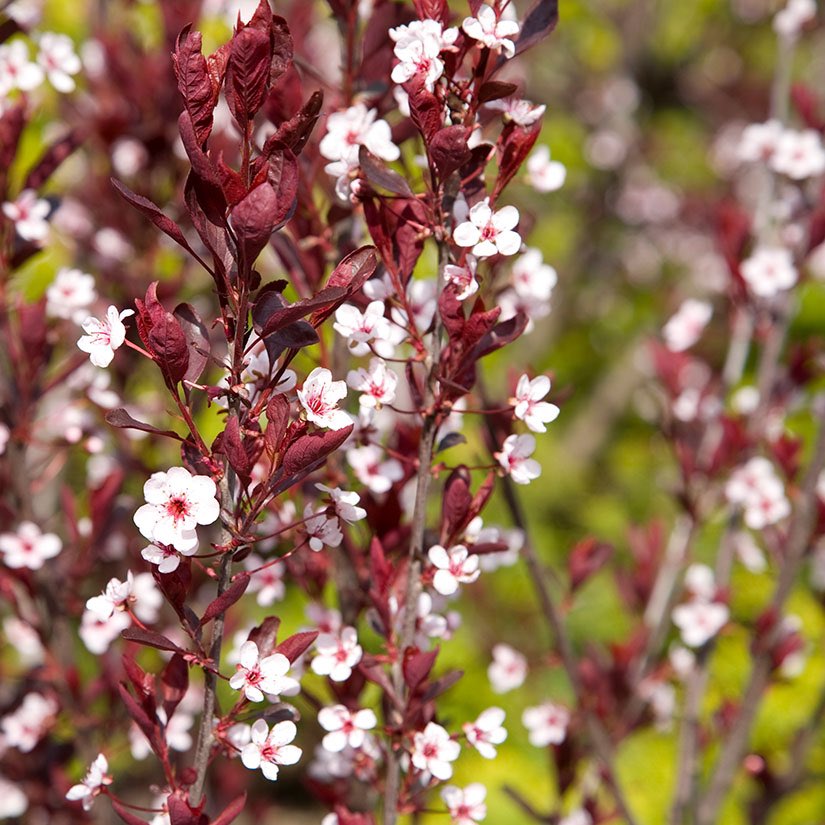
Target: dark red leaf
{"type": "Point", "coordinates": [308, 452]}
{"type": "Point", "coordinates": [204, 176]}
{"type": "Point", "coordinates": [148, 726]}
{"type": "Point", "coordinates": [279, 318]}
{"type": "Point", "coordinates": [197, 340]}
{"type": "Point", "coordinates": [417, 665]}
{"type": "Point", "coordinates": [495, 90]}
{"type": "Point", "coordinates": [265, 635]}
{"type": "Point", "coordinates": [175, 682]}
{"type": "Point", "coordinates": [282, 48]}
{"type": "Point", "coordinates": [150, 638]}
{"type": "Point", "coordinates": [231, 812]}
{"type": "Point", "coordinates": [123, 420]}
{"type": "Point", "coordinates": [350, 275]}
{"type": "Point", "coordinates": [51, 159]}
{"type": "Point", "coordinates": [181, 813]}
{"type": "Point", "coordinates": [455, 504]}
{"type": "Point", "coordinates": [199, 93]}
{"type": "Point", "coordinates": [277, 416]}
{"type": "Point", "coordinates": [425, 109]}
{"type": "Point", "coordinates": [586, 559]}
{"type": "Point", "coordinates": [296, 645]}
{"type": "Point", "coordinates": [12, 123]}
{"type": "Point", "coordinates": [163, 336]}
{"type": "Point", "coordinates": [226, 599]}
{"type": "Point", "coordinates": [381, 176]}
{"type": "Point", "coordinates": [538, 23]}
{"type": "Point", "coordinates": [441, 685]}
{"type": "Point", "coordinates": [247, 73]}
{"type": "Point", "coordinates": [255, 218]}
{"type": "Point", "coordinates": [448, 150]}
{"type": "Point", "coordinates": [514, 146]}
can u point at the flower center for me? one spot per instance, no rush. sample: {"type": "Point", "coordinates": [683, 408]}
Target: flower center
{"type": "Point", "coordinates": [177, 507]}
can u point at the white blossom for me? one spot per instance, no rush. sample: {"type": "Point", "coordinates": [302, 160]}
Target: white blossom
{"type": "Point", "coordinates": [28, 546]}
{"type": "Point", "coordinates": [377, 384]}
{"type": "Point", "coordinates": [361, 329]}
{"type": "Point", "coordinates": [533, 280]}
{"type": "Point", "coordinates": [699, 621]}
{"type": "Point", "coordinates": [29, 214]}
{"type": "Point", "coordinates": [321, 529]}
{"type": "Point", "coordinates": [546, 724]}
{"type": "Point", "coordinates": [486, 732]}
{"type": "Point", "coordinates": [466, 806]}
{"type": "Point", "coordinates": [256, 676]}
{"type": "Point", "coordinates": [463, 278]}
{"type": "Point", "coordinates": [176, 502]}
{"type": "Point", "coordinates": [345, 504]}
{"type": "Point", "coordinates": [319, 397]}
{"type": "Point", "coordinates": [522, 113]}
{"type": "Point", "coordinates": [453, 566]}
{"type": "Point", "coordinates": [345, 727]}
{"type": "Point", "coordinates": [769, 270]}
{"type": "Point", "coordinates": [514, 457]}
{"type": "Point", "coordinates": [491, 32]}
{"type": "Point", "coordinates": [508, 670]}
{"type": "Point", "coordinates": [268, 582]}
{"type": "Point", "coordinates": [372, 469]}
{"type": "Point", "coordinates": [28, 724]}
{"type": "Point", "coordinates": [799, 154]}
{"type": "Point", "coordinates": [489, 233]}
{"type": "Point", "coordinates": [93, 783]}
{"type": "Point", "coordinates": [102, 338]}
{"type": "Point", "coordinates": [17, 71]}
{"type": "Point", "coordinates": [434, 750]}
{"type": "Point", "coordinates": [758, 141]}
{"type": "Point", "coordinates": [684, 328]}
{"type": "Point", "coordinates": [789, 21]}
{"type": "Point", "coordinates": [543, 174]}
{"type": "Point", "coordinates": [270, 748]}
{"type": "Point", "coordinates": [337, 654]}
{"type": "Point", "coordinates": [528, 406]}
{"type": "Point", "coordinates": [58, 59]}
{"type": "Point", "coordinates": [70, 295]}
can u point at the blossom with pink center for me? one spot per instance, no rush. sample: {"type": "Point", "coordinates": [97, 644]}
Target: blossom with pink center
{"type": "Point", "coordinates": [362, 328]}
{"type": "Point", "coordinates": [93, 784]}
{"type": "Point", "coordinates": [346, 727]}
{"type": "Point", "coordinates": [521, 112]}
{"type": "Point", "coordinates": [17, 71]}
{"type": "Point", "coordinates": [321, 530]}
{"type": "Point", "coordinates": [28, 546]}
{"type": "Point", "coordinates": [376, 385]}
{"type": "Point", "coordinates": [373, 469]}
{"type": "Point", "coordinates": [102, 338]}
{"type": "Point", "coordinates": [699, 621]}
{"type": "Point", "coordinates": [354, 127]}
{"type": "Point", "coordinates": [789, 21]}
{"type": "Point", "coordinates": [514, 457]}
{"type": "Point", "coordinates": [758, 141]}
{"type": "Point", "coordinates": [466, 806]}
{"type": "Point", "coordinates": [166, 558]}
{"type": "Point", "coordinates": [491, 32]}
{"type": "Point", "coordinates": [760, 492]}
{"type": "Point", "coordinates": [337, 654]}
{"type": "Point", "coordinates": [176, 502]}
{"type": "Point", "coordinates": [70, 295]}
{"type": "Point", "coordinates": [268, 582]}
{"type": "Point", "coordinates": [684, 328]}
{"type": "Point", "coordinates": [463, 278]}
{"type": "Point", "coordinates": [528, 406]}
{"type": "Point", "coordinates": [344, 502]}
{"type": "Point", "coordinates": [769, 270]}
{"type": "Point", "coordinates": [543, 174]}
{"type": "Point", "coordinates": [58, 60]}
{"type": "Point", "coordinates": [508, 670]}
{"type": "Point", "coordinates": [533, 280]}
{"type": "Point", "coordinates": [114, 597]}
{"type": "Point", "coordinates": [486, 732]}
{"type": "Point", "coordinates": [28, 724]}
{"type": "Point", "coordinates": [434, 750]}
{"type": "Point", "coordinates": [453, 566]}
{"type": "Point", "coordinates": [487, 232]}
{"type": "Point", "coordinates": [799, 154]}
{"type": "Point", "coordinates": [98, 634]}
{"type": "Point", "coordinates": [256, 676]}
{"type": "Point", "coordinates": [320, 396]}
{"type": "Point", "coordinates": [546, 724]}
{"type": "Point", "coordinates": [270, 748]}
{"type": "Point", "coordinates": [29, 213]}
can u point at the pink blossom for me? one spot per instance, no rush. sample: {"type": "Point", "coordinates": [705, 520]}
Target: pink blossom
{"type": "Point", "coordinates": [345, 504]}
{"type": "Point", "coordinates": [486, 732]}
{"type": "Point", "coordinates": [508, 670]}
{"type": "Point", "coordinates": [769, 270]}
{"type": "Point", "coordinates": [466, 806]}
{"type": "Point", "coordinates": [528, 406]}
{"type": "Point", "coordinates": [16, 70]}
{"type": "Point", "coordinates": [417, 47]}
{"type": "Point", "coordinates": [758, 141]}
{"type": "Point", "coordinates": [346, 727]}
{"type": "Point", "coordinates": [491, 32]}
{"type": "Point", "coordinates": [789, 21]}
{"type": "Point", "coordinates": [58, 59]}
{"type": "Point", "coordinates": [270, 748]}
{"type": "Point", "coordinates": [546, 724]}
{"type": "Point", "coordinates": [93, 783]}
{"type": "Point", "coordinates": [453, 566]}
{"type": "Point", "coordinates": [521, 112]}
{"type": "Point", "coordinates": [97, 634]}
{"type": "Point", "coordinates": [360, 329]}
{"type": "Point", "coordinates": [372, 469]}
{"type": "Point", "coordinates": [29, 213]}
{"type": "Point", "coordinates": [487, 232]}
{"type": "Point", "coordinates": [699, 621]}
{"type": "Point", "coordinates": [463, 278]}
{"type": "Point", "coordinates": [176, 502]}
{"type": "Point", "coordinates": [337, 654]}
{"type": "Point", "coordinates": [377, 384]}
{"type": "Point", "coordinates": [321, 529]}
{"type": "Point", "coordinates": [799, 154]}
{"type": "Point", "coordinates": [257, 676]}
{"type": "Point", "coordinates": [684, 328]}
{"type": "Point", "coordinates": [166, 558]}
{"type": "Point", "coordinates": [434, 750]}
{"type": "Point", "coordinates": [543, 174]}
{"type": "Point", "coordinates": [28, 547]}
{"type": "Point", "coordinates": [28, 724]}
{"type": "Point", "coordinates": [533, 280]}
{"type": "Point", "coordinates": [514, 457]}
{"type": "Point", "coordinates": [320, 396]}
{"type": "Point", "coordinates": [70, 295]}
{"type": "Point", "coordinates": [102, 338]}
{"type": "Point", "coordinates": [268, 583]}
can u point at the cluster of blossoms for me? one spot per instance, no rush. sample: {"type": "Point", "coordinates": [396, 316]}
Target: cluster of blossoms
{"type": "Point", "coordinates": [55, 60]}
{"type": "Point", "coordinates": [797, 155]}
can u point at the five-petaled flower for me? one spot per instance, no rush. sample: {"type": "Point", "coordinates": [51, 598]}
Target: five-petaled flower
{"type": "Point", "coordinates": [453, 566]}
{"type": "Point", "coordinates": [102, 338]}
{"type": "Point", "coordinates": [491, 32]}
{"type": "Point", "coordinates": [93, 783]}
{"type": "Point", "coordinates": [270, 748]}
{"type": "Point", "coordinates": [29, 213]}
{"type": "Point", "coordinates": [257, 676]}
{"type": "Point", "coordinates": [546, 724]}
{"type": "Point", "coordinates": [337, 654]}
{"type": "Point", "coordinates": [508, 670]}
{"type": "Point", "coordinates": [514, 457]}
{"type": "Point", "coordinates": [377, 384]}
{"type": "Point", "coordinates": [320, 396]}
{"type": "Point", "coordinates": [176, 502]}
{"type": "Point", "coordinates": [487, 232]}
{"type": "Point", "coordinates": [434, 750]}
{"type": "Point", "coordinates": [528, 406]}
{"type": "Point", "coordinates": [59, 61]}
{"type": "Point", "coordinates": [28, 546]}
{"type": "Point", "coordinates": [466, 806]}
{"type": "Point", "coordinates": [486, 732]}
{"type": "Point", "coordinates": [346, 727]}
